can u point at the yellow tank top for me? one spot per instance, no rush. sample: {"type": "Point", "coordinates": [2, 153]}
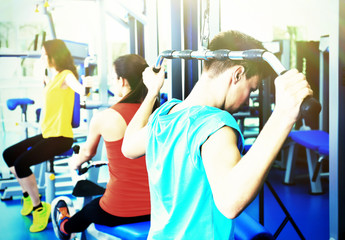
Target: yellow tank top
{"type": "Point", "coordinates": [58, 109]}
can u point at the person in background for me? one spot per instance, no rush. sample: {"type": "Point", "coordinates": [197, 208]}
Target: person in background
{"type": "Point", "coordinates": [199, 181]}
{"type": "Point", "coordinates": [126, 198]}
{"type": "Point", "coordinates": [56, 129]}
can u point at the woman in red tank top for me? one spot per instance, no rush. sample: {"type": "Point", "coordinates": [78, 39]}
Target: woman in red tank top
{"type": "Point", "coordinates": [126, 198]}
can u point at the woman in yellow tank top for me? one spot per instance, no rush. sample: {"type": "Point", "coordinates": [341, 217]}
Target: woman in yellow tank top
{"type": "Point", "coordinates": [57, 135]}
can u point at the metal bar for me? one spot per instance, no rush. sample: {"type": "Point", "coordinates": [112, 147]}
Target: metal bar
{"type": "Point", "coordinates": [253, 54]}
{"type": "Point", "coordinates": [274, 62]}
{"type": "Point", "coordinates": [287, 214]}
{"type": "Point", "coordinates": [140, 40]}
{"type": "Point", "coordinates": [102, 62]}
{"type": "Point", "coordinates": [261, 207]}
{"type": "Point", "coordinates": [151, 31]}
{"type": "Point", "coordinates": [51, 23]}
{"type": "Point", "coordinates": [94, 105]}
{"type": "Point", "coordinates": [336, 120]}
{"type": "Point", "coordinates": [310, 108]}
{"type": "Point", "coordinates": [264, 114]}
{"type": "Point", "coordinates": [191, 41]}
{"type": "Point", "coordinates": [34, 54]}
{"type": "Point", "coordinates": [280, 228]}
{"type": "Point", "coordinates": [324, 83]}
{"type": "Point", "coordinates": [176, 43]}
{"type": "Point", "coordinates": [132, 35]}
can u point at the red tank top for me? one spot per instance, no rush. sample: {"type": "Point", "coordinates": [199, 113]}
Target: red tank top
{"type": "Point", "coordinates": [127, 192]}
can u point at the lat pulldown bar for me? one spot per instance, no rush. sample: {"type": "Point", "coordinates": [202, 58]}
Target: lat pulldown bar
{"type": "Point", "coordinates": [310, 106]}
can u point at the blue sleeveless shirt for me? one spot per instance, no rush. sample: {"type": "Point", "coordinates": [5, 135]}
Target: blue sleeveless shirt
{"type": "Point", "coordinates": [182, 204]}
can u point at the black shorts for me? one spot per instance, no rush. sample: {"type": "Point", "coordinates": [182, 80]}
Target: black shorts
{"type": "Point", "coordinates": [33, 151]}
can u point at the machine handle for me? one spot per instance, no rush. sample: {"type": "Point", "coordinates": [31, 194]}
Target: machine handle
{"type": "Point", "coordinates": [156, 70]}
{"type": "Point", "coordinates": [89, 164]}
{"type": "Point", "coordinates": [97, 164]}
{"type": "Point", "coordinates": [310, 106]}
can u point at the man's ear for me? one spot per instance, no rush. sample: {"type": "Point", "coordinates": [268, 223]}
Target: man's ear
{"type": "Point", "coordinates": [238, 73]}
{"type": "Point", "coordinates": [123, 81]}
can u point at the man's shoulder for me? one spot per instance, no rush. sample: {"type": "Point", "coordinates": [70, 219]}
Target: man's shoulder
{"type": "Point", "coordinates": [208, 112]}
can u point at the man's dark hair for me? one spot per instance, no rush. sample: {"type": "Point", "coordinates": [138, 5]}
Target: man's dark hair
{"type": "Point", "coordinates": [236, 41]}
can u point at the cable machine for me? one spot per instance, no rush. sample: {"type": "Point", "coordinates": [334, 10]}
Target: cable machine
{"type": "Point", "coordinates": [310, 106]}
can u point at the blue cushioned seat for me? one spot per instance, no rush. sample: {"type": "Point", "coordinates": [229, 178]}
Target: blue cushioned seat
{"type": "Point", "coordinates": [14, 102]}
{"type": "Point", "coordinates": [315, 142]}
{"type": "Point", "coordinates": [137, 231]}
{"type": "Point", "coordinates": [311, 139]}
{"type": "Point", "coordinates": [246, 228]}
{"type": "Point", "coordinates": [23, 103]}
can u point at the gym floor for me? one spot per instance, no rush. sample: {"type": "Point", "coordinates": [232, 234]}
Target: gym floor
{"type": "Point", "coordinates": [310, 212]}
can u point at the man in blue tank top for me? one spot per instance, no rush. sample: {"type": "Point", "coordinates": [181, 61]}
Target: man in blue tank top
{"type": "Point", "coordinates": [199, 181]}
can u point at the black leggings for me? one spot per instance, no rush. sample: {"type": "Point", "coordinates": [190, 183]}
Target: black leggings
{"type": "Point", "coordinates": [93, 213]}
{"type": "Point", "coordinates": [33, 151]}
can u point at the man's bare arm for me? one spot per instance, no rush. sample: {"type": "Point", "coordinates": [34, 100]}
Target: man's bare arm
{"type": "Point", "coordinates": [235, 181]}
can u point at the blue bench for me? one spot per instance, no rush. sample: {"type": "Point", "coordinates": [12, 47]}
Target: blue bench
{"type": "Point", "coordinates": [246, 228]}
{"type": "Point", "coordinates": [133, 231]}
{"type": "Point", "coordinates": [22, 102]}
{"type": "Point", "coordinates": [313, 141]}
